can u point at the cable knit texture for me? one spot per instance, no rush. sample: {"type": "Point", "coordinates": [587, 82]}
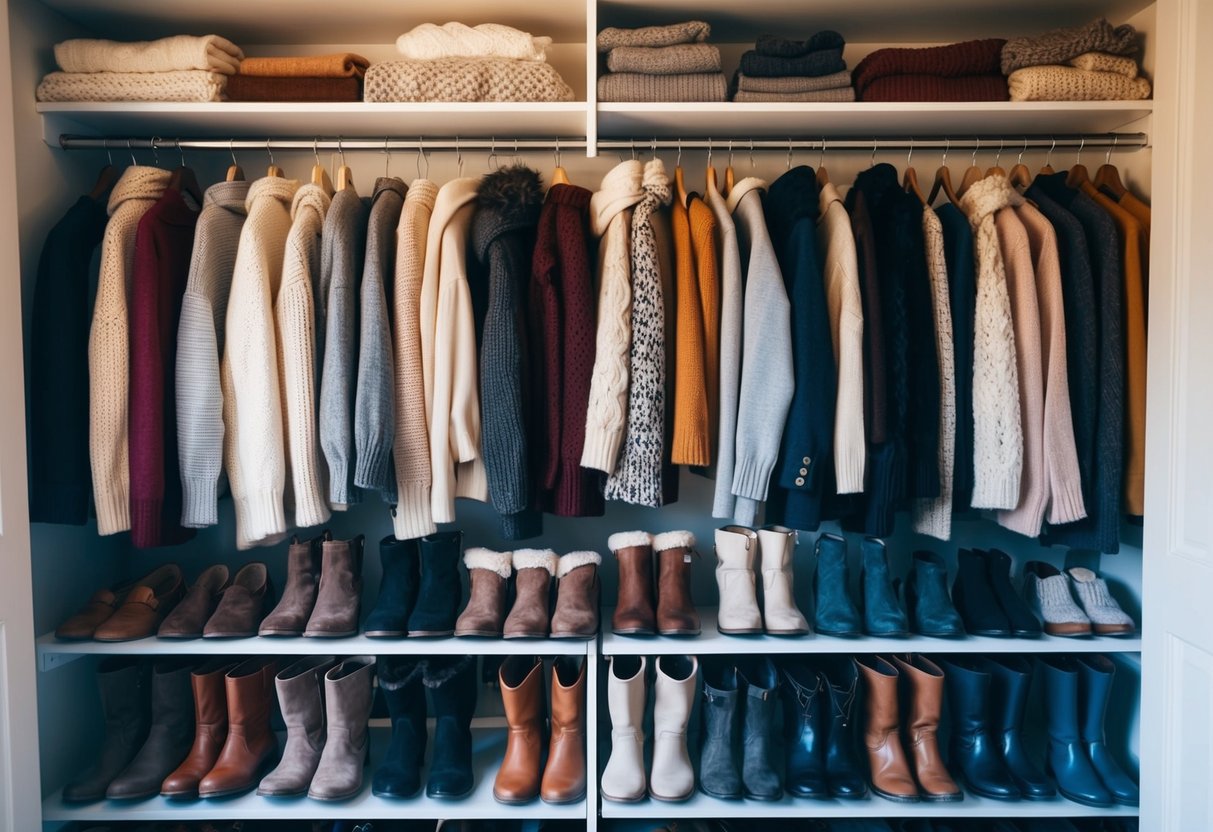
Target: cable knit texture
{"type": "Point", "coordinates": [1103, 62]}
{"type": "Point", "coordinates": [682, 59]}
{"type": "Point", "coordinates": [200, 346]}
{"type": "Point", "coordinates": [691, 31]}
{"type": "Point", "coordinates": [1097, 602]}
{"type": "Point", "coordinates": [997, 431]}
{"type": "Point", "coordinates": [429, 42]}
{"type": "Point", "coordinates": [1064, 83]}
{"type": "Point", "coordinates": [635, 86]}
{"type": "Point", "coordinates": [109, 347]}
{"type": "Point", "coordinates": [411, 445]}
{"type": "Point", "coordinates": [638, 477]}
{"type": "Point", "coordinates": [465, 79]}
{"type": "Point", "coordinates": [704, 236]}
{"type": "Point", "coordinates": [1059, 45]}
{"type": "Point", "coordinates": [728, 257]}
{"type": "Point", "coordinates": [180, 52]}
{"type": "Point", "coordinates": [190, 85]}
{"type": "Point", "coordinates": [970, 57]}
{"type": "Point", "coordinates": [295, 317]}
{"type": "Point", "coordinates": [610, 220]}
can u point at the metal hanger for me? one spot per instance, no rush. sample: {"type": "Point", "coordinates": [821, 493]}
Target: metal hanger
{"type": "Point", "coordinates": [973, 174]}
{"type": "Point", "coordinates": [235, 173]}
{"type": "Point", "coordinates": [420, 156]}
{"type": "Point", "coordinates": [458, 157]}
{"type": "Point", "coordinates": [387, 159]}
{"type": "Point", "coordinates": [345, 176]}
{"type": "Point", "coordinates": [823, 177]}
{"type": "Point", "coordinates": [184, 180]}
{"type": "Point", "coordinates": [130, 149]}
{"type": "Point", "coordinates": [1020, 176]}
{"type": "Point", "coordinates": [273, 169]}
{"type": "Point", "coordinates": [728, 171]}
{"type": "Point", "coordinates": [711, 177]}
{"type": "Point", "coordinates": [320, 174]}
{"type": "Point", "coordinates": [679, 187]}
{"type": "Point", "coordinates": [1107, 178]}
{"type": "Point", "coordinates": [1048, 165]}
{"type": "Point", "coordinates": [910, 181]}
{"type": "Point", "coordinates": [997, 169]}
{"type": "Point", "coordinates": [1078, 174]}
{"type": "Point", "coordinates": [559, 176]}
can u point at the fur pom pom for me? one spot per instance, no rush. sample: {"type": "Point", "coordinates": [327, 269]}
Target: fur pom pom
{"type": "Point", "coordinates": [575, 560]}
{"type": "Point", "coordinates": [626, 540]}
{"type": "Point", "coordinates": [478, 557]}
{"type": "Point", "coordinates": [512, 189]}
{"type": "Point", "coordinates": [536, 559]}
{"type": "Point", "coordinates": [673, 540]}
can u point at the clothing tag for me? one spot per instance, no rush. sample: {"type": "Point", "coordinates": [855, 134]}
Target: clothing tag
{"type": "Point", "coordinates": [686, 557]}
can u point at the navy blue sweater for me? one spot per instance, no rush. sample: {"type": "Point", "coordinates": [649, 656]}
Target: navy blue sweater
{"type": "Point", "coordinates": [962, 290]}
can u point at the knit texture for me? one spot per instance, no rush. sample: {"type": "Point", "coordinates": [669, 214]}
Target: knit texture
{"type": "Point", "coordinates": [200, 343]}
{"type": "Point", "coordinates": [792, 84]}
{"type": "Point", "coordinates": [295, 322]}
{"type": "Point", "coordinates": [610, 220]}
{"type": "Point", "coordinates": [958, 253]}
{"type": "Point", "coordinates": [692, 31]}
{"type": "Point", "coordinates": [58, 368]}
{"type": "Point", "coordinates": [182, 85]}
{"type": "Point", "coordinates": [180, 52]}
{"type": "Point", "coordinates": [1051, 600]}
{"type": "Point", "coordinates": [1059, 45]}
{"type": "Point", "coordinates": [970, 57]}
{"type": "Point", "coordinates": [690, 444]}
{"type": "Point", "coordinates": [632, 86]}
{"type": "Point", "coordinates": [1064, 83]}
{"type": "Point", "coordinates": [411, 447]}
{"type": "Point", "coordinates": [810, 65]}
{"type": "Point", "coordinates": [704, 236]}
{"type": "Point", "coordinates": [836, 95]}
{"type": "Point", "coordinates": [728, 258]}
{"type": "Point", "coordinates": [334, 65]}
{"type": "Point", "coordinates": [786, 48]}
{"type": "Point", "coordinates": [936, 88]}
{"type": "Point", "coordinates": [682, 59]}
{"type": "Point", "coordinates": [637, 478]}
{"type": "Point", "coordinates": [465, 79]}
{"type": "Point", "coordinates": [255, 88]}
{"type": "Point", "coordinates": [1097, 601]}
{"type": "Point", "coordinates": [429, 42]}
{"type": "Point", "coordinates": [1103, 62]}
{"type": "Point", "coordinates": [109, 347]}
{"type": "Point", "coordinates": [997, 430]}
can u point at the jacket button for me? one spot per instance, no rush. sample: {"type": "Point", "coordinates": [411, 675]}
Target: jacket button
{"type": "Point", "coordinates": [806, 460]}
{"type": "Point", "coordinates": [804, 471]}
{"type": "Point", "coordinates": [800, 480]}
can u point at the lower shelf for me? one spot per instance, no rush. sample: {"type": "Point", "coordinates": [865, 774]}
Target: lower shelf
{"type": "Point", "coordinates": [488, 745]}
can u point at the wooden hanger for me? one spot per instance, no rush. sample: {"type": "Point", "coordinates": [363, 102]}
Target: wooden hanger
{"type": "Point", "coordinates": [106, 177]}
{"type": "Point", "coordinates": [943, 180]}
{"type": "Point", "coordinates": [273, 169]}
{"type": "Point", "coordinates": [1078, 174]}
{"type": "Point", "coordinates": [185, 180]}
{"type": "Point", "coordinates": [729, 178]}
{"type": "Point", "coordinates": [910, 181]}
{"type": "Point", "coordinates": [345, 176]}
{"type": "Point", "coordinates": [1107, 178]}
{"type": "Point", "coordinates": [997, 168]}
{"type": "Point", "coordinates": [1020, 176]}
{"type": "Point", "coordinates": [711, 177]}
{"type": "Point", "coordinates": [235, 173]}
{"type": "Point", "coordinates": [559, 176]}
{"type": "Point", "coordinates": [971, 176]}
{"type": "Point", "coordinates": [320, 174]}
{"type": "Point", "coordinates": [823, 176]}
{"type": "Point", "coordinates": [1047, 168]}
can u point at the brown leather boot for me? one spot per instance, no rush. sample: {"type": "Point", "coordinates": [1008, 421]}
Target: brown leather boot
{"type": "Point", "coordinates": [210, 730]}
{"type": "Point", "coordinates": [145, 606]}
{"type": "Point", "coordinates": [188, 618]}
{"type": "Point", "coordinates": [339, 599]}
{"type": "Point", "coordinates": [299, 595]}
{"type": "Point", "coordinates": [922, 687]}
{"type": "Point", "coordinates": [886, 759]}
{"type": "Point", "coordinates": [564, 774]}
{"type": "Point", "coordinates": [676, 613]}
{"type": "Point", "coordinates": [577, 592]}
{"type": "Point", "coordinates": [521, 679]}
{"type": "Point", "coordinates": [533, 571]}
{"type": "Point", "coordinates": [489, 574]}
{"type": "Point", "coordinates": [250, 744]}
{"type": "Point", "coordinates": [634, 609]}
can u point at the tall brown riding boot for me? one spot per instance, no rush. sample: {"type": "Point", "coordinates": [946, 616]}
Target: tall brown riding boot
{"type": "Point", "coordinates": [676, 613]}
{"type": "Point", "coordinates": [521, 680]}
{"type": "Point", "coordinates": [250, 743]}
{"type": "Point", "coordinates": [533, 572]}
{"type": "Point", "coordinates": [489, 574]}
{"type": "Point", "coordinates": [210, 730]}
{"type": "Point", "coordinates": [564, 774]}
{"type": "Point", "coordinates": [922, 686]}
{"type": "Point", "coordinates": [886, 759]}
{"type": "Point", "coordinates": [577, 592]}
{"type": "Point", "coordinates": [634, 609]}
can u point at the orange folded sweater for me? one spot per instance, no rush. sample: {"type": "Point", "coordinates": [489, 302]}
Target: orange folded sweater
{"type": "Point", "coordinates": [336, 65]}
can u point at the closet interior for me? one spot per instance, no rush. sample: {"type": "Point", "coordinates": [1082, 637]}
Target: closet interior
{"type": "Point", "coordinates": [61, 147]}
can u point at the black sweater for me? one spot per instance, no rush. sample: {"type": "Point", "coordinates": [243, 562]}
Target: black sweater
{"type": "Point", "coordinates": [962, 290]}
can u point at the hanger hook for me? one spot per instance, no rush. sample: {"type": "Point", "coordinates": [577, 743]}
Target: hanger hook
{"type": "Point", "coordinates": [231, 148]}
{"type": "Point", "coordinates": [1107, 157]}
{"type": "Point", "coordinates": [316, 148]}
{"type": "Point", "coordinates": [492, 152]}
{"type": "Point", "coordinates": [341, 151]}
{"type": "Point", "coordinates": [910, 155]}
{"type": "Point", "coordinates": [105, 143]}
{"type": "Point", "coordinates": [270, 152]}
{"type": "Point", "coordinates": [947, 145]}
{"type": "Point", "coordinates": [458, 156]}
{"type": "Point", "coordinates": [678, 160]}
{"type": "Point", "coordinates": [998, 155]}
{"type": "Point", "coordinates": [872, 159]}
{"type": "Point", "coordinates": [556, 153]}
{"type": "Point", "coordinates": [632, 147]}
{"type": "Point", "coordinates": [821, 157]}
{"type": "Point", "coordinates": [976, 148]}
{"type": "Point", "coordinates": [788, 166]}
{"type": "Point", "coordinates": [653, 146]}
{"type": "Point", "coordinates": [387, 158]}
{"type": "Point", "coordinates": [181, 151]}
{"type": "Point", "coordinates": [1082, 142]}
{"type": "Point", "coordinates": [132, 152]}
{"type": "Point", "coordinates": [730, 153]}
{"type": "Point", "coordinates": [1049, 157]}
{"type": "Point", "coordinates": [420, 156]}
{"type": "Point", "coordinates": [709, 151]}
{"type": "Point", "coordinates": [752, 163]}
{"type": "Point", "coordinates": [1022, 151]}
{"type": "Point", "coordinates": [517, 156]}
{"type": "Point", "coordinates": [155, 152]}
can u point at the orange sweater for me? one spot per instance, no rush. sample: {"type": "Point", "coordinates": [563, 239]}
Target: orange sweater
{"type": "Point", "coordinates": [703, 238]}
{"type": "Point", "coordinates": [690, 443]}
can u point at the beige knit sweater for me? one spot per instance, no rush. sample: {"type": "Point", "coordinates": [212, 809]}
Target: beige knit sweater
{"type": "Point", "coordinates": [411, 448]}
{"type": "Point", "coordinates": [108, 347]}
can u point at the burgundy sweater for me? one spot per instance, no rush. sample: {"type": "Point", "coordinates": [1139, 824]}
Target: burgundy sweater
{"type": "Point", "coordinates": [164, 242]}
{"type": "Point", "coordinates": [914, 74]}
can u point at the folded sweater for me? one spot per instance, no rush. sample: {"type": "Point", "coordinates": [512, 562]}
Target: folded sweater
{"type": "Point", "coordinates": [692, 31]}
{"type": "Point", "coordinates": [970, 57]}
{"type": "Point", "coordinates": [209, 52]}
{"type": "Point", "coordinates": [336, 65]}
{"type": "Point", "coordinates": [429, 42]}
{"type": "Point", "coordinates": [837, 94]}
{"type": "Point", "coordinates": [1060, 45]}
{"type": "Point", "coordinates": [183, 85]}
{"type": "Point", "coordinates": [1064, 83]}
{"type": "Point", "coordinates": [936, 88]}
{"type": "Point", "coordinates": [632, 86]}
{"type": "Point", "coordinates": [685, 58]}
{"type": "Point", "coordinates": [792, 84]}
{"type": "Point", "coordinates": [821, 62]}
{"type": "Point", "coordinates": [1103, 62]}
{"type": "Point", "coordinates": [777, 47]}
{"type": "Point", "coordinates": [255, 88]}
{"type": "Point", "coordinates": [463, 79]}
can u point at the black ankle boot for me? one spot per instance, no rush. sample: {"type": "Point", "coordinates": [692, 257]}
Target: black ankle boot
{"type": "Point", "coordinates": [453, 681]}
{"type": "Point", "coordinates": [975, 599]}
{"type": "Point", "coordinates": [126, 703]}
{"type": "Point", "coordinates": [399, 774]}
{"type": "Point", "coordinates": [720, 737]}
{"type": "Point", "coordinates": [440, 592]}
{"type": "Point", "coordinates": [1023, 623]}
{"type": "Point", "coordinates": [169, 737]}
{"type": "Point", "coordinates": [398, 586]}
{"type": "Point", "coordinates": [806, 702]}
{"type": "Point", "coordinates": [843, 770]}
{"type": "Point", "coordinates": [1010, 679]}
{"type": "Point", "coordinates": [975, 755]}
{"type": "Point", "coordinates": [928, 604]}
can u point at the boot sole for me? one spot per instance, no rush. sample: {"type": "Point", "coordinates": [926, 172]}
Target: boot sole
{"type": "Point", "coordinates": [127, 797]}
{"type": "Point", "coordinates": [524, 635]}
{"type": "Point", "coordinates": [564, 800]}
{"type": "Point", "coordinates": [514, 801]}
{"type": "Point", "coordinates": [821, 632]}
{"type": "Point", "coordinates": [1094, 804]}
{"type": "Point", "coordinates": [395, 795]}
{"type": "Point", "coordinates": [113, 640]}
{"type": "Point", "coordinates": [449, 796]}
{"type": "Point", "coordinates": [228, 792]}
{"type": "Point", "coordinates": [228, 635]}
{"type": "Point", "coordinates": [634, 631]}
{"type": "Point", "coordinates": [991, 633]}
{"type": "Point", "coordinates": [343, 634]}
{"type": "Point", "coordinates": [385, 633]}
{"type": "Point", "coordinates": [788, 632]}
{"type": "Point", "coordinates": [606, 796]}
{"type": "Point", "coordinates": [1005, 798]}
{"type": "Point", "coordinates": [430, 633]}
{"type": "Point", "coordinates": [753, 631]}
{"type": "Point", "coordinates": [584, 636]}
{"type": "Point", "coordinates": [277, 793]}
{"type": "Point", "coordinates": [476, 634]}
{"type": "Point", "coordinates": [941, 798]}
{"type": "Point", "coordinates": [1068, 630]}
{"type": "Point", "coordinates": [961, 634]}
{"type": "Point", "coordinates": [770, 798]}
{"type": "Point", "coordinates": [719, 796]}
{"type": "Point", "coordinates": [1114, 630]}
{"type": "Point", "coordinates": [863, 795]}
{"type": "Point", "coordinates": [179, 636]}
{"type": "Point", "coordinates": [190, 794]}
{"type": "Point", "coordinates": [329, 798]}
{"type": "Point", "coordinates": [682, 799]}
{"type": "Point", "coordinates": [677, 633]}
{"type": "Point", "coordinates": [895, 798]}
{"type": "Point", "coordinates": [280, 633]}
{"type": "Point", "coordinates": [805, 796]}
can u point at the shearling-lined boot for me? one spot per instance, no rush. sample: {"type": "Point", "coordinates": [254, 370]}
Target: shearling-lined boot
{"type": "Point", "coordinates": [533, 570]}
{"type": "Point", "coordinates": [634, 609]}
{"type": "Point", "coordinates": [676, 613]}
{"type": "Point", "coordinates": [577, 595]}
{"type": "Point", "coordinates": [489, 574]}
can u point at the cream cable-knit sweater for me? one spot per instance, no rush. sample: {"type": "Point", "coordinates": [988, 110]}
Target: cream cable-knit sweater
{"type": "Point", "coordinates": [179, 52]}
{"type": "Point", "coordinates": [997, 431]}
{"type": "Point", "coordinates": [295, 316]}
{"type": "Point", "coordinates": [250, 360]}
{"type": "Point", "coordinates": [611, 220]}
{"type": "Point", "coordinates": [108, 347]}
{"type": "Point", "coordinates": [429, 41]}
{"type": "Point", "coordinates": [934, 516]}
{"type": "Point", "coordinates": [728, 259]}
{"type": "Point", "coordinates": [412, 517]}
{"type": "Point", "coordinates": [840, 268]}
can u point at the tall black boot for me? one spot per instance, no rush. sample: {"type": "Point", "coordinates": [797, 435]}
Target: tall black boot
{"type": "Point", "coordinates": [399, 775]}
{"type": "Point", "coordinates": [453, 682]}
{"type": "Point", "coordinates": [806, 702]}
{"type": "Point", "coordinates": [843, 769]}
{"type": "Point", "coordinates": [126, 703]}
{"type": "Point", "coordinates": [975, 753]}
{"type": "Point", "coordinates": [1066, 759]}
{"type": "Point", "coordinates": [169, 738]}
{"type": "Point", "coordinates": [1010, 679]}
{"type": "Point", "coordinates": [1094, 687]}
{"type": "Point", "coordinates": [398, 585]}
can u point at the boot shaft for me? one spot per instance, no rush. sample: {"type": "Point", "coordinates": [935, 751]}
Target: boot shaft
{"type": "Point", "coordinates": [348, 693]}
{"type": "Point", "coordinates": [881, 706]}
{"type": "Point", "coordinates": [521, 680]}
{"type": "Point", "coordinates": [303, 564]}
{"type": "Point", "coordinates": [635, 609]}
{"type": "Point", "coordinates": [674, 694]}
{"type": "Point", "coordinates": [626, 693]}
{"type": "Point", "coordinates": [720, 710]}
{"type": "Point", "coordinates": [568, 696]}
{"type": "Point", "coordinates": [341, 568]}
{"type": "Point", "coordinates": [1060, 676]}
{"type": "Point", "coordinates": [126, 690]}
{"type": "Point", "coordinates": [1096, 674]}
{"type": "Point", "coordinates": [530, 613]}
{"type": "Point", "coordinates": [777, 545]}
{"type": "Point", "coordinates": [210, 698]}
{"type": "Point", "coordinates": [250, 690]}
{"type": "Point", "coordinates": [1010, 680]}
{"type": "Point", "coordinates": [736, 549]}
{"type": "Point", "coordinates": [452, 681]}
{"type": "Point", "coordinates": [675, 558]}
{"type": "Point", "coordinates": [968, 697]}
{"type": "Point", "coordinates": [578, 594]}
{"type": "Point", "coordinates": [759, 680]}
{"type": "Point", "coordinates": [488, 579]}
{"type": "Point", "coordinates": [300, 689]}
{"type": "Point", "coordinates": [172, 696]}
{"type": "Point", "coordinates": [400, 684]}
{"type": "Point", "coordinates": [921, 688]}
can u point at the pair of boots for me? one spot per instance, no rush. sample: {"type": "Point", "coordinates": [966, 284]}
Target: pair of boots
{"type": "Point", "coordinates": [739, 713]}
{"type": "Point", "coordinates": [673, 778]}
{"type": "Point", "coordinates": [835, 613]}
{"type": "Point", "coordinates": [673, 613]}
{"type": "Point", "coordinates": [326, 705]}
{"type": "Point", "coordinates": [323, 592]}
{"type": "Point", "coordinates": [985, 598]}
{"type": "Point", "coordinates": [576, 613]}
{"type": "Point", "coordinates": [219, 606]}
{"type": "Point", "coordinates": [404, 681]}
{"type": "Point", "coordinates": [419, 589]}
{"type": "Point", "coordinates": [737, 547]}
{"type": "Point", "coordinates": [819, 729]}
{"type": "Point", "coordinates": [928, 604]}
{"type": "Point", "coordinates": [522, 775]}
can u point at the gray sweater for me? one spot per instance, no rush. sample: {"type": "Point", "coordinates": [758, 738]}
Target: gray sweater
{"type": "Point", "coordinates": [728, 258]}
{"type": "Point", "coordinates": [374, 402]}
{"type": "Point", "coordinates": [341, 255]}
{"type": "Point", "coordinates": [199, 345]}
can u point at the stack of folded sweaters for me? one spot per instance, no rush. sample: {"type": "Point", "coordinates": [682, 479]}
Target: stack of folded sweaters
{"type": "Point", "coordinates": [966, 71]}
{"type": "Point", "coordinates": [336, 77]}
{"type": "Point", "coordinates": [661, 63]}
{"type": "Point", "coordinates": [1096, 62]}
{"type": "Point", "coordinates": [778, 69]}
{"type": "Point", "coordinates": [180, 68]}
{"type": "Point", "coordinates": [456, 62]}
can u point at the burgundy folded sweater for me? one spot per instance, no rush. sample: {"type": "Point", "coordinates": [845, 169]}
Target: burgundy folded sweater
{"type": "Point", "coordinates": [970, 57]}
{"type": "Point", "coordinates": [283, 88]}
{"type": "Point", "coordinates": [936, 88]}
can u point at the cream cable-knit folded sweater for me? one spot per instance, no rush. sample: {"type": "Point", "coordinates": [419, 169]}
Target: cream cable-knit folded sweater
{"type": "Point", "coordinates": [997, 431]}
{"type": "Point", "coordinates": [180, 52]}
{"type": "Point", "coordinates": [190, 85]}
{"type": "Point", "coordinates": [411, 448]}
{"type": "Point", "coordinates": [295, 316]}
{"type": "Point", "coordinates": [728, 258]}
{"type": "Point", "coordinates": [108, 347]}
{"type": "Point", "coordinates": [429, 41]}
{"type": "Point", "coordinates": [611, 220]}
{"type": "Point", "coordinates": [251, 361]}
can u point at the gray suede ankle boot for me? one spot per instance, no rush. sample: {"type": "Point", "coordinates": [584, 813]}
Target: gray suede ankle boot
{"type": "Point", "coordinates": [719, 773]}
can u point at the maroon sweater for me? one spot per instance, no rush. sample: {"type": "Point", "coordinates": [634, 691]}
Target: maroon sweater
{"type": "Point", "coordinates": [956, 60]}
{"type": "Point", "coordinates": [563, 326]}
{"type": "Point", "coordinates": [164, 242]}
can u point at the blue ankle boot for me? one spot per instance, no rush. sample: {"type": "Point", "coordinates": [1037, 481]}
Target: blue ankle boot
{"type": "Point", "coordinates": [834, 613]}
{"type": "Point", "coordinates": [882, 615]}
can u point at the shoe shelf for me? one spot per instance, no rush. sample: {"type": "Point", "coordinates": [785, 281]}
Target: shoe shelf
{"type": "Point", "coordinates": [488, 745]}
{"type": "Point", "coordinates": [711, 641]}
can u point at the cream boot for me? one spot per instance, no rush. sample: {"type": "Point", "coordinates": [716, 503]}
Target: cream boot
{"type": "Point", "coordinates": [623, 778]}
{"type": "Point", "coordinates": [736, 548]}
{"type": "Point", "coordinates": [673, 778]}
{"type": "Point", "coordinates": [779, 612]}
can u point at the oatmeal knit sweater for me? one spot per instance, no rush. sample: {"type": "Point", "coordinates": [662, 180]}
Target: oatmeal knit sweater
{"type": "Point", "coordinates": [728, 257]}
{"type": "Point", "coordinates": [109, 348]}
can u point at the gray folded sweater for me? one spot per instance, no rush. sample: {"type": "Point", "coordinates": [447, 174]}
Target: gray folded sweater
{"type": "Point", "coordinates": [632, 86]}
{"type": "Point", "coordinates": [692, 31]}
{"type": "Point", "coordinates": [1060, 45]}
{"type": "Point", "coordinates": [683, 59]}
{"type": "Point", "coordinates": [835, 95]}
{"type": "Point", "coordinates": [793, 83]}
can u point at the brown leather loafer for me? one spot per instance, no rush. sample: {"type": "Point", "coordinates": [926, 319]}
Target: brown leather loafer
{"type": "Point", "coordinates": [145, 606]}
{"type": "Point", "coordinates": [188, 618]}
{"type": "Point", "coordinates": [84, 623]}
{"type": "Point", "coordinates": [243, 604]}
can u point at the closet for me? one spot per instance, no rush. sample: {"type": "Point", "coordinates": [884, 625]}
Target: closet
{"type": "Point", "coordinates": [1163, 574]}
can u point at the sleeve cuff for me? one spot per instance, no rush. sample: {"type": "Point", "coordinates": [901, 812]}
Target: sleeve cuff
{"type": "Point", "coordinates": [601, 451]}
{"type": "Point", "coordinates": [412, 517]}
{"type": "Point", "coordinates": [752, 477]}
{"type": "Point", "coordinates": [200, 500]}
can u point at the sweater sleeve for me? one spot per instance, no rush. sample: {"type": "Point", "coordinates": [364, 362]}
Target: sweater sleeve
{"type": "Point", "coordinates": [606, 417]}
{"type": "Point", "coordinates": [374, 420]}
{"type": "Point", "coordinates": [336, 390]}
{"type": "Point", "coordinates": [723, 503]}
{"type": "Point", "coordinates": [146, 393]}
{"type": "Point", "coordinates": [199, 411]}
{"type": "Point", "coordinates": [545, 318]}
{"type": "Point", "coordinates": [846, 325]}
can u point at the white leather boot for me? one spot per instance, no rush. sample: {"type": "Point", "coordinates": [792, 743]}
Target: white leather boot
{"type": "Point", "coordinates": [779, 611]}
{"type": "Point", "coordinates": [623, 778]}
{"type": "Point", "coordinates": [673, 778]}
{"type": "Point", "coordinates": [736, 549]}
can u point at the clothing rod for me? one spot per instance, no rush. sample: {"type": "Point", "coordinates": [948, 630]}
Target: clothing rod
{"type": "Point", "coordinates": [504, 144]}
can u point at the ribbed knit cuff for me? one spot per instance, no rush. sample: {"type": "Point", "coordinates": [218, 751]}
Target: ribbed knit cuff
{"type": "Point", "coordinates": [373, 469]}
{"type": "Point", "coordinates": [691, 447]}
{"type": "Point", "coordinates": [745, 511]}
{"type": "Point", "coordinates": [311, 509]}
{"type": "Point", "coordinates": [472, 481]}
{"type": "Point", "coordinates": [601, 450]}
{"type": "Point", "coordinates": [263, 511]}
{"type": "Point", "coordinates": [1027, 517]}
{"type": "Point", "coordinates": [1067, 505]}
{"type": "Point", "coordinates": [752, 477]}
{"type": "Point", "coordinates": [412, 517]}
{"type": "Point", "coordinates": [525, 524]}
{"type": "Point", "coordinates": [145, 523]}
{"type": "Point", "coordinates": [113, 509]}
{"type": "Point", "coordinates": [991, 491]}
{"type": "Point", "coordinates": [245, 539]}
{"type": "Point", "coordinates": [933, 518]}
{"type": "Point", "coordinates": [199, 502]}
{"type": "Point", "coordinates": [924, 478]}
{"type": "Point", "coordinates": [849, 470]}
{"type": "Point", "coordinates": [341, 491]}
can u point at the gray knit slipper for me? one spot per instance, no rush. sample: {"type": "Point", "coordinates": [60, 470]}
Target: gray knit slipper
{"type": "Point", "coordinates": [1047, 592]}
{"type": "Point", "coordinates": [1107, 618]}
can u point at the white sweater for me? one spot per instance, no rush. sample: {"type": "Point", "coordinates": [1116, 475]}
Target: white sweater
{"type": "Point", "coordinates": [108, 347]}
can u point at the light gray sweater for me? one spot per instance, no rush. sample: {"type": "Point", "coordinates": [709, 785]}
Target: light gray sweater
{"type": "Point", "coordinates": [199, 345]}
{"type": "Point", "coordinates": [728, 258]}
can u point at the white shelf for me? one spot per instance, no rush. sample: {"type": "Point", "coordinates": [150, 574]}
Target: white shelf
{"type": "Point", "coordinates": [488, 748]}
{"type": "Point", "coordinates": [712, 642]}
